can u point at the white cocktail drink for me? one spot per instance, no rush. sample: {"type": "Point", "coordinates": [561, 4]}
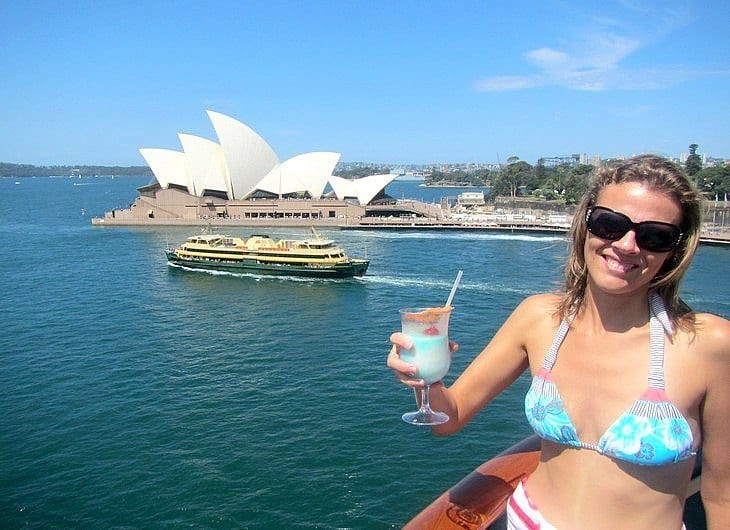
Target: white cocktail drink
{"type": "Point", "coordinates": [430, 354]}
{"type": "Point", "coordinates": [428, 329]}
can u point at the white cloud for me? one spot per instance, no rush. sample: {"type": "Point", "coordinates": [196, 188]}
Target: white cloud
{"type": "Point", "coordinates": [506, 83]}
{"type": "Point", "coordinates": [591, 65]}
{"type": "Point", "coordinates": [594, 60]}
{"type": "Point", "coordinates": [547, 57]}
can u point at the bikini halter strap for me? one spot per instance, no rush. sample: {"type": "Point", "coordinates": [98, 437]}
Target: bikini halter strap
{"type": "Point", "coordinates": [659, 324]}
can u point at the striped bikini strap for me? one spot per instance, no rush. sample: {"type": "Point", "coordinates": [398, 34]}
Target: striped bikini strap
{"type": "Point", "coordinates": [552, 354]}
{"type": "Point", "coordinates": [659, 324]}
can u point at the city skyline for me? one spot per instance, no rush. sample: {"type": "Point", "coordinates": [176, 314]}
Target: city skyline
{"type": "Point", "coordinates": [404, 83]}
{"type": "Point", "coordinates": [581, 158]}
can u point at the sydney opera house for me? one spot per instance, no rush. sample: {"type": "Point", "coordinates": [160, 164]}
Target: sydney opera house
{"type": "Point", "coordinates": [239, 180]}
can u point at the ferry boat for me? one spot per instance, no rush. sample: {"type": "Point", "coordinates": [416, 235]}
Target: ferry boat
{"type": "Point", "coordinates": [259, 254]}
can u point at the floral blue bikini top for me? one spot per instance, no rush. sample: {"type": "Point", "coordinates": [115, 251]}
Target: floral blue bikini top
{"type": "Point", "coordinates": [652, 432]}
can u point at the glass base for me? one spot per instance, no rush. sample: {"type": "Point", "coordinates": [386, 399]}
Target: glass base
{"type": "Point", "coordinates": [425, 417]}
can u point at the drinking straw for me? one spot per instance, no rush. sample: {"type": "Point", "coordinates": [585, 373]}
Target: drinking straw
{"type": "Point", "coordinates": [453, 289]}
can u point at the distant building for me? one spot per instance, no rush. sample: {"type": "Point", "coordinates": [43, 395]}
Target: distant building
{"type": "Point", "coordinates": [554, 161]}
{"type": "Point", "coordinates": [239, 179]}
{"type": "Point", "coordinates": [594, 160]}
{"type": "Point", "coordinates": [684, 156]}
{"type": "Point", "coordinates": [470, 199]}
{"type": "Point", "coordinates": [241, 165]}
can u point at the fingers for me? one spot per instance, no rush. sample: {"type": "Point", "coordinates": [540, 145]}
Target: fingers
{"type": "Point", "coordinates": [404, 372]}
{"type": "Point", "coordinates": [394, 362]}
{"type": "Point", "coordinates": [401, 339]}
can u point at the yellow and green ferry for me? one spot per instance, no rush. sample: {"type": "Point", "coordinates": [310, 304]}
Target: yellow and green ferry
{"type": "Point", "coordinates": [260, 254]}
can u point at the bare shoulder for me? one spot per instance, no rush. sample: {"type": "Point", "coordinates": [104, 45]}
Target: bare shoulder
{"type": "Point", "coordinates": [712, 337]}
{"type": "Point", "coordinates": [538, 306]}
{"type": "Point", "coordinates": [536, 312]}
{"type": "Point", "coordinates": [706, 347]}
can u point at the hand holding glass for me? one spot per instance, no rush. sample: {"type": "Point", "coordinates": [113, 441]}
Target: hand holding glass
{"type": "Point", "coordinates": [428, 329]}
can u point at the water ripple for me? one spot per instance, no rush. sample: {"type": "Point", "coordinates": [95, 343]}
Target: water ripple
{"type": "Point", "coordinates": [139, 395]}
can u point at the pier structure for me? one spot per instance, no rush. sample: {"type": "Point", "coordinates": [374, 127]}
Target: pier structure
{"type": "Point", "coordinates": [174, 207]}
{"type": "Point", "coordinates": [240, 181]}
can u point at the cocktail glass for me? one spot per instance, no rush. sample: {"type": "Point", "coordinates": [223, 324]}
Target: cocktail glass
{"type": "Point", "coordinates": [428, 329]}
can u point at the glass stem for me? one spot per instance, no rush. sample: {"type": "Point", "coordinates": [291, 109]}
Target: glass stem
{"type": "Point", "coordinates": [425, 404]}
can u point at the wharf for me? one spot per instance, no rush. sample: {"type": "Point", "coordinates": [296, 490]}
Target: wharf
{"type": "Point", "coordinates": [370, 223]}
{"type": "Point", "coordinates": [400, 215]}
{"type": "Point", "coordinates": [714, 237]}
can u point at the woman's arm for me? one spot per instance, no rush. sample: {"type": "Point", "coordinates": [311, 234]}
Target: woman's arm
{"type": "Point", "coordinates": [493, 370]}
{"type": "Point", "coordinates": [714, 344]}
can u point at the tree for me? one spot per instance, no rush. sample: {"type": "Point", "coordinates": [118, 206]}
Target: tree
{"type": "Point", "coordinates": [714, 181]}
{"type": "Point", "coordinates": [511, 178]}
{"type": "Point", "coordinates": [693, 165]}
{"type": "Point", "coordinates": [576, 183]}
{"type": "Point", "coordinates": [556, 179]}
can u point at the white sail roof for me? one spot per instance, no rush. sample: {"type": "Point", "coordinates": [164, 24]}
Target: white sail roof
{"type": "Point", "coordinates": [306, 172]}
{"type": "Point", "coordinates": [368, 187]}
{"type": "Point", "coordinates": [363, 189]}
{"type": "Point", "coordinates": [206, 165]}
{"type": "Point", "coordinates": [168, 166]}
{"type": "Point", "coordinates": [243, 162]}
{"type": "Point", "coordinates": [343, 188]}
{"type": "Point", "coordinates": [247, 155]}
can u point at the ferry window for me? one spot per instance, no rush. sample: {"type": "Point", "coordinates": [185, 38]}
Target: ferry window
{"type": "Point", "coordinates": [332, 213]}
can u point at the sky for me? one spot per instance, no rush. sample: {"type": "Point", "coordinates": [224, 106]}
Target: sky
{"type": "Point", "coordinates": [389, 82]}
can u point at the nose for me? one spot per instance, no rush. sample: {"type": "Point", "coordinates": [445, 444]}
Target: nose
{"type": "Point", "coordinates": [627, 244]}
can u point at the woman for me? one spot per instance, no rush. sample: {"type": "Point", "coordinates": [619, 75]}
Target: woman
{"type": "Point", "coordinates": [627, 381]}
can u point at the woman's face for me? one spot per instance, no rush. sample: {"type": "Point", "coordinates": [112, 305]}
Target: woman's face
{"type": "Point", "coordinates": [621, 266]}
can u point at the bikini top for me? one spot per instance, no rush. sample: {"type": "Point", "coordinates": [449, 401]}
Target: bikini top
{"type": "Point", "coordinates": [651, 432]}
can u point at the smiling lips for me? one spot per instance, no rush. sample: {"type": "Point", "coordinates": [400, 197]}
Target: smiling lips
{"type": "Point", "coordinates": [618, 265]}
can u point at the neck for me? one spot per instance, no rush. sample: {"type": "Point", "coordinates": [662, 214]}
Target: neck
{"type": "Point", "coordinates": [615, 313]}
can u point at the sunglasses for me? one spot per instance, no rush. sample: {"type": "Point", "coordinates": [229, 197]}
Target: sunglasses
{"type": "Point", "coordinates": [653, 236]}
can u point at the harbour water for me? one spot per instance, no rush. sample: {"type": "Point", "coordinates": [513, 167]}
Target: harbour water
{"type": "Point", "coordinates": [141, 396]}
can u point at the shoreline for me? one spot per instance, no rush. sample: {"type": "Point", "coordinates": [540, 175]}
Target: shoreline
{"type": "Point", "coordinates": [388, 223]}
{"type": "Point", "coordinates": [450, 186]}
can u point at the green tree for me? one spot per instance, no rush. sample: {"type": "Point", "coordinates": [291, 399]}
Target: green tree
{"type": "Point", "coordinates": [509, 180]}
{"type": "Point", "coordinates": [693, 165]}
{"type": "Point", "coordinates": [360, 172]}
{"type": "Point", "coordinates": [541, 172]}
{"type": "Point", "coordinates": [714, 181]}
{"type": "Point", "coordinates": [576, 183]}
{"type": "Point", "coordinates": [555, 180]}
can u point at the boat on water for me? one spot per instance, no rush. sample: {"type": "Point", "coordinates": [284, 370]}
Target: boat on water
{"type": "Point", "coordinates": [479, 500]}
{"type": "Point", "coordinates": [259, 254]}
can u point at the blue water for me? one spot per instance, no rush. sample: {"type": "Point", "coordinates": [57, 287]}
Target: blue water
{"type": "Point", "coordinates": [136, 396]}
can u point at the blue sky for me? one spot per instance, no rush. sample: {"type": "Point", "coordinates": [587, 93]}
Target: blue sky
{"type": "Point", "coordinates": [379, 81]}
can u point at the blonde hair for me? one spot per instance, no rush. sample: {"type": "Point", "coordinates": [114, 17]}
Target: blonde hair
{"type": "Point", "coordinates": [665, 177]}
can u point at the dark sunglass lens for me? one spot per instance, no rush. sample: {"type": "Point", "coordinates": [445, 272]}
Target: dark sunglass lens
{"type": "Point", "coordinates": [657, 237]}
{"type": "Point", "coordinates": [608, 225]}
